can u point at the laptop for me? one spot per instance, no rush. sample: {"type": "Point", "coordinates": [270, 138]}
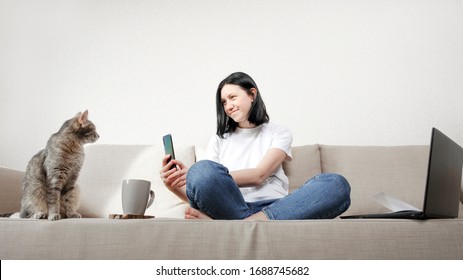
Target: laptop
{"type": "Point", "coordinates": [443, 183]}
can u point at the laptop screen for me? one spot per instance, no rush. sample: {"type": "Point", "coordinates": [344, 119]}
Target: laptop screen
{"type": "Point", "coordinates": [443, 187]}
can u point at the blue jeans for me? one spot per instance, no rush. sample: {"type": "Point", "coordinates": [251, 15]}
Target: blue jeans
{"type": "Point", "coordinates": [212, 190]}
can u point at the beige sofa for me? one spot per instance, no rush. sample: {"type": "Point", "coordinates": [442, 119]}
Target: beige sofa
{"type": "Point", "coordinates": [399, 171]}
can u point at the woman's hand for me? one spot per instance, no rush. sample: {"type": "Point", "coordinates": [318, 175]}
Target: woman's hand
{"type": "Point", "coordinates": [174, 178]}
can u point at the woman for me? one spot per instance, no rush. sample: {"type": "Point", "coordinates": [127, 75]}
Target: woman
{"type": "Point", "coordinates": [243, 177]}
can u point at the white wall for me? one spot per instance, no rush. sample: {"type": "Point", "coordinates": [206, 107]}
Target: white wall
{"type": "Point", "coordinates": [341, 72]}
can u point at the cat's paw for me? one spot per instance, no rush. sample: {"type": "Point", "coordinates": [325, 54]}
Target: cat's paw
{"type": "Point", "coordinates": [39, 215]}
{"type": "Point", "coordinates": [54, 217]}
{"type": "Point", "coordinates": [75, 216]}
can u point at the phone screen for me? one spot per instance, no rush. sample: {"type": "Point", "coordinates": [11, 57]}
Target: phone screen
{"type": "Point", "coordinates": [169, 147]}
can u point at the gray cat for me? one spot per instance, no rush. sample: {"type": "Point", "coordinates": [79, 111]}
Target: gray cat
{"type": "Point", "coordinates": [49, 188]}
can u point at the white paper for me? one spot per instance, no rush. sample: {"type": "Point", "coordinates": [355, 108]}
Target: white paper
{"type": "Point", "coordinates": [392, 203]}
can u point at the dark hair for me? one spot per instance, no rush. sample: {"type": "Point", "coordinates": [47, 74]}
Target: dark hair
{"type": "Point", "coordinates": [257, 115]}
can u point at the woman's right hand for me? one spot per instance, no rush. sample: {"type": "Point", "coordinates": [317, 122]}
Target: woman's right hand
{"type": "Point", "coordinates": [174, 178]}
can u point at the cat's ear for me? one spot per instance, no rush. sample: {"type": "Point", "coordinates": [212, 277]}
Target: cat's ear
{"type": "Point", "coordinates": [83, 117]}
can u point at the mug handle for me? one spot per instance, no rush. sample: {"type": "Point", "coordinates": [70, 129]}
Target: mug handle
{"type": "Point", "coordinates": [151, 199]}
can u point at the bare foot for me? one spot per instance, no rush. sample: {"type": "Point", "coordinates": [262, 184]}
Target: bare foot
{"type": "Point", "coordinates": [192, 214]}
{"type": "Point", "coordinates": [259, 216]}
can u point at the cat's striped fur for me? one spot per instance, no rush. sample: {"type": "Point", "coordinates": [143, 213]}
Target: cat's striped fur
{"type": "Point", "coordinates": [49, 187]}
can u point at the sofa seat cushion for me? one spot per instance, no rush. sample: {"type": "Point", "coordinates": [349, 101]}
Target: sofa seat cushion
{"type": "Point", "coordinates": [170, 239]}
{"type": "Point", "coordinates": [106, 166]}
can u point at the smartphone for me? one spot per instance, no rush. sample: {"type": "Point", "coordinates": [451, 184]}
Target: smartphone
{"type": "Point", "coordinates": [169, 147]}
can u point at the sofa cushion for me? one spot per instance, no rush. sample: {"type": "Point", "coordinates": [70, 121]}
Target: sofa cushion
{"type": "Point", "coordinates": [304, 165]}
{"type": "Point", "coordinates": [10, 190]}
{"type": "Point", "coordinates": [399, 171]}
{"type": "Point", "coordinates": [106, 166]}
{"type": "Point", "coordinates": [172, 239]}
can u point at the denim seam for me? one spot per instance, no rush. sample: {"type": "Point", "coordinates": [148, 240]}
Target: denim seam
{"type": "Point", "coordinates": [267, 213]}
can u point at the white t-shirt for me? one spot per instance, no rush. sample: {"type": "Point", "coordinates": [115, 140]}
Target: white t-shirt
{"type": "Point", "coordinates": [245, 148]}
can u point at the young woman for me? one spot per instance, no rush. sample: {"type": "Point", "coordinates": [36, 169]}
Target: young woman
{"type": "Point", "coordinates": [243, 177]}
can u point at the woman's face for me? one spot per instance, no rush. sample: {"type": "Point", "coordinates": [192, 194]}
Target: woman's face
{"type": "Point", "coordinates": [237, 104]}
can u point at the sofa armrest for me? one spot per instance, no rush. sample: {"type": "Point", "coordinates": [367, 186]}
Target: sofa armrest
{"type": "Point", "coordinates": [10, 190]}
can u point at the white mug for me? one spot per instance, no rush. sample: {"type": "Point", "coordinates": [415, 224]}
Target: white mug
{"type": "Point", "coordinates": [137, 196]}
